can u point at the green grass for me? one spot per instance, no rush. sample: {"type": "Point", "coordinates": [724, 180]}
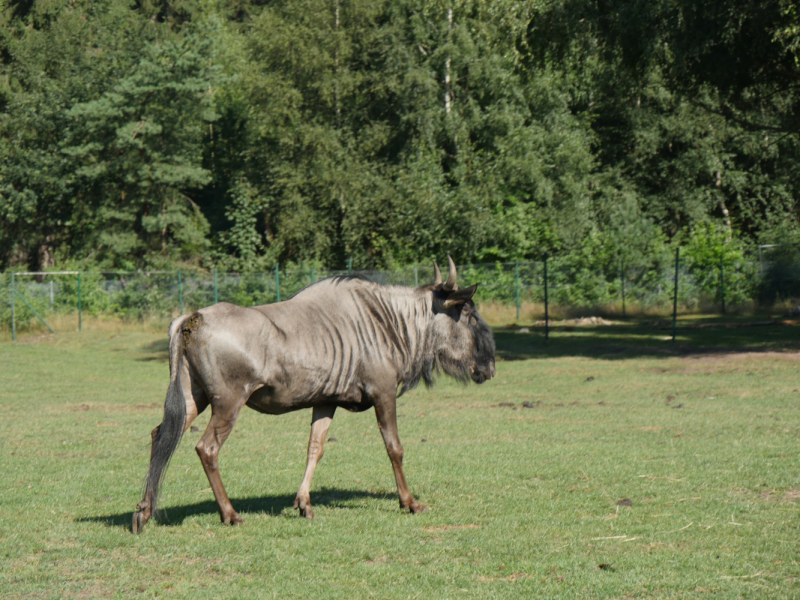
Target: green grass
{"type": "Point", "coordinates": [701, 435]}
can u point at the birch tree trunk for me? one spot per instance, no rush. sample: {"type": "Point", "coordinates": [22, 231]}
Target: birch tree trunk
{"type": "Point", "coordinates": [447, 94]}
{"type": "Point", "coordinates": [336, 67]}
{"type": "Point", "coordinates": [723, 207]}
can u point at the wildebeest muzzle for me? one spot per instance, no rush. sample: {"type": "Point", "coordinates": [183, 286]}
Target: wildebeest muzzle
{"type": "Point", "coordinates": [481, 374]}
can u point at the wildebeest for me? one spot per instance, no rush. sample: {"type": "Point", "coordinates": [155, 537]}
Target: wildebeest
{"type": "Point", "coordinates": [342, 342]}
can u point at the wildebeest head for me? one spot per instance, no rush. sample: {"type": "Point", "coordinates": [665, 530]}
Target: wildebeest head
{"type": "Point", "coordinates": [464, 343]}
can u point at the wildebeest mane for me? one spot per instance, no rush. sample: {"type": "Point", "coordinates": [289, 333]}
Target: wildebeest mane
{"type": "Point", "coordinates": [484, 340]}
{"type": "Point", "coordinates": [421, 370]}
{"type": "Point", "coordinates": [339, 279]}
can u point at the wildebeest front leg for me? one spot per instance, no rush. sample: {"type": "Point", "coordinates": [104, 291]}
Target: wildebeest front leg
{"type": "Point", "coordinates": [321, 418]}
{"type": "Point", "coordinates": [218, 430]}
{"type": "Point", "coordinates": [386, 412]}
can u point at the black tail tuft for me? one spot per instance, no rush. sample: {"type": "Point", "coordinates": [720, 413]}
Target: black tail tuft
{"type": "Point", "coordinates": [171, 428]}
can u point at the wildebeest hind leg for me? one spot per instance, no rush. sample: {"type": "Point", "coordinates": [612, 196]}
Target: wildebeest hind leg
{"type": "Point", "coordinates": [218, 430]}
{"type": "Point", "coordinates": [196, 402]}
{"type": "Point", "coordinates": [387, 421]}
{"type": "Point", "coordinates": [321, 418]}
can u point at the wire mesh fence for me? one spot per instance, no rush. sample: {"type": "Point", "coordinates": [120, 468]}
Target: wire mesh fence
{"type": "Point", "coordinates": [561, 286]}
{"type": "Point", "coordinates": [779, 272]}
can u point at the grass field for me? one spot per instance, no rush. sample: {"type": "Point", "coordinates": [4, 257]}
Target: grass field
{"type": "Point", "coordinates": [646, 469]}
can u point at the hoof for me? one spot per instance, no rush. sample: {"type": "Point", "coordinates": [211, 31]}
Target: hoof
{"type": "Point", "coordinates": [233, 519]}
{"type": "Point", "coordinates": [417, 508]}
{"type": "Point", "coordinates": [138, 522]}
{"type": "Point", "coordinates": [304, 507]}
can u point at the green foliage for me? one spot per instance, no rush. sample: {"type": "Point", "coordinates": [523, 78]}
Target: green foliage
{"type": "Point", "coordinates": [164, 134]}
{"type": "Point", "coordinates": [712, 254]}
{"type": "Point", "coordinates": [104, 123]}
{"type": "Point", "coordinates": [139, 145]}
{"type": "Point", "coordinates": [243, 242]}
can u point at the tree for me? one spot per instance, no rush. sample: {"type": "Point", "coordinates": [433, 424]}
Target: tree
{"type": "Point", "coordinates": [102, 137]}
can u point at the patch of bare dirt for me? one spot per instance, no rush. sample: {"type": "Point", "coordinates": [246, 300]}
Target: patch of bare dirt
{"type": "Point", "coordinates": [45, 337]}
{"type": "Point", "coordinates": [730, 362]}
{"type": "Point", "coordinates": [580, 322]}
{"type": "Point", "coordinates": [790, 495]}
{"type": "Point", "coordinates": [786, 496]}
{"type": "Point", "coordinates": [723, 357]}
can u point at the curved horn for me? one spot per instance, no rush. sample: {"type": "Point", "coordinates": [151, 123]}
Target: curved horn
{"type": "Point", "coordinates": [450, 284]}
{"type": "Point", "coordinates": [437, 274]}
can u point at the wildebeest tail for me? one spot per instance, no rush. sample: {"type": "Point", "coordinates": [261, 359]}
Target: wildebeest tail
{"type": "Point", "coordinates": [171, 429]}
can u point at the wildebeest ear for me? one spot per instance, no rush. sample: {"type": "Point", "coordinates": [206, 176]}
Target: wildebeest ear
{"type": "Point", "coordinates": [458, 297]}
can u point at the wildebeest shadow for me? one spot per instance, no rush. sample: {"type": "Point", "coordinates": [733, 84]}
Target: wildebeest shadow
{"type": "Point", "coordinates": [274, 505]}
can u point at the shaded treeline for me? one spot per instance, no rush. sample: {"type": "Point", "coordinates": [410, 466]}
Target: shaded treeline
{"type": "Point", "coordinates": [148, 134]}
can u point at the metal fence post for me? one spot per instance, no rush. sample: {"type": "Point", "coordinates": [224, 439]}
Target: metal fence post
{"type": "Point", "coordinates": [216, 287]}
{"type": "Point", "coordinates": [13, 313]}
{"type": "Point", "coordinates": [516, 280]}
{"type": "Point", "coordinates": [312, 274]}
{"type": "Point", "coordinates": [277, 284]}
{"type": "Point", "coordinates": [350, 266]}
{"type": "Point", "coordinates": [416, 276]}
{"type": "Point", "coordinates": [722, 283]}
{"type": "Point", "coordinates": [622, 279]}
{"type": "Point", "coordinates": [80, 304]}
{"type": "Point", "coordinates": [180, 292]}
{"type": "Point", "coordinates": [546, 309]}
{"type": "Point", "coordinates": [675, 299]}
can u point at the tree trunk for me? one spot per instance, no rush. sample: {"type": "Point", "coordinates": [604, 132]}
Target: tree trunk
{"type": "Point", "coordinates": [46, 258]}
{"type": "Point", "coordinates": [336, 66]}
{"type": "Point", "coordinates": [447, 94]}
{"type": "Point", "coordinates": [726, 215]}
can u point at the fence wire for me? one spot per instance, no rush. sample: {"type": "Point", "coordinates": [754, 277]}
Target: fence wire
{"type": "Point", "coordinates": [641, 288]}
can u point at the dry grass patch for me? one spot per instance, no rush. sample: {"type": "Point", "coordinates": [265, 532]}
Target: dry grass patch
{"type": "Point", "coordinates": [787, 496]}
{"type": "Point", "coordinates": [714, 363]}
